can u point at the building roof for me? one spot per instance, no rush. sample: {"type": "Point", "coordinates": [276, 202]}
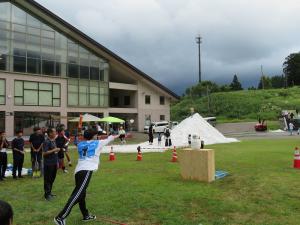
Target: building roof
{"type": "Point", "coordinates": [98, 45]}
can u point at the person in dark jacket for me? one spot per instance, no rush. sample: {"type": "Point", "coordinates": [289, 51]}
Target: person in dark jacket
{"type": "Point", "coordinates": [18, 154]}
{"type": "Point", "coordinates": [3, 155]}
{"type": "Point", "coordinates": [36, 141]}
{"type": "Point", "coordinates": [61, 142]}
{"type": "Point", "coordinates": [150, 134]}
{"type": "Point", "coordinates": [50, 152]}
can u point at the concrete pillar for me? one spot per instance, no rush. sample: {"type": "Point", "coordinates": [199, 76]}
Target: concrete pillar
{"type": "Point", "coordinates": [9, 124]}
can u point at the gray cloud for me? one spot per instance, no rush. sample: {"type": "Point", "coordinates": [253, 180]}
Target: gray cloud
{"type": "Point", "coordinates": [158, 36]}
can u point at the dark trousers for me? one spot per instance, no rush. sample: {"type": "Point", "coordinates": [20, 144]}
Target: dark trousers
{"type": "Point", "coordinates": [3, 164]}
{"type": "Point", "coordinates": [18, 165]}
{"type": "Point", "coordinates": [82, 180]}
{"type": "Point", "coordinates": [150, 138]}
{"type": "Point", "coordinates": [168, 142]}
{"type": "Point", "coordinates": [49, 177]}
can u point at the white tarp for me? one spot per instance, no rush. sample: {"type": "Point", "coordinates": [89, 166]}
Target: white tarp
{"type": "Point", "coordinates": [192, 125]}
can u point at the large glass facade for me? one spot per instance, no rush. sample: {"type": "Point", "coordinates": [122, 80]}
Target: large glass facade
{"type": "Point", "coordinates": [26, 121]}
{"type": "Point", "coordinates": [2, 92]}
{"type": "Point", "coordinates": [37, 93]}
{"type": "Point", "coordinates": [28, 45]}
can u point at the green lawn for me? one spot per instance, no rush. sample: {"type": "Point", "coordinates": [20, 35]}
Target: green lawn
{"type": "Point", "coordinates": [262, 189]}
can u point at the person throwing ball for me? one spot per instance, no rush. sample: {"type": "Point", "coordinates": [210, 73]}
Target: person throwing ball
{"type": "Point", "coordinates": [89, 153]}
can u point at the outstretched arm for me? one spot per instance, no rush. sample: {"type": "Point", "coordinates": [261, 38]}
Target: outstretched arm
{"type": "Point", "coordinates": [108, 140]}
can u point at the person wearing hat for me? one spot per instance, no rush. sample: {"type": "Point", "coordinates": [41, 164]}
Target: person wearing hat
{"type": "Point", "coordinates": [89, 159]}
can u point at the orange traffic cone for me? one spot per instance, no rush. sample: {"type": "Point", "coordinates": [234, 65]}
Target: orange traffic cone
{"type": "Point", "coordinates": [112, 155]}
{"type": "Point", "coordinates": [297, 158]}
{"type": "Point", "coordinates": [174, 155]}
{"type": "Point", "coordinates": [139, 155]}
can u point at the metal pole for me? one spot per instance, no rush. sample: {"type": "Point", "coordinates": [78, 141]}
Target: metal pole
{"type": "Point", "coordinates": [199, 41]}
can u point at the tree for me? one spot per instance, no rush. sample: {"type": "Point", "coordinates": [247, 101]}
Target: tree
{"type": "Point", "coordinates": [264, 83]}
{"type": "Point", "coordinates": [235, 84]}
{"type": "Point", "coordinates": [202, 89]}
{"type": "Point", "coordinates": [291, 68]}
{"type": "Point", "coordinates": [277, 81]}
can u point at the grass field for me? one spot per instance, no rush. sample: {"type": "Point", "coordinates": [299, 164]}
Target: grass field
{"type": "Point", "coordinates": [262, 189]}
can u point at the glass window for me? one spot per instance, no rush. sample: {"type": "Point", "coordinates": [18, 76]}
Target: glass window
{"type": "Point", "coordinates": [30, 97]}
{"type": "Point", "coordinates": [34, 31]}
{"type": "Point", "coordinates": [18, 88]}
{"type": "Point", "coordinates": [162, 100]}
{"type": "Point", "coordinates": [4, 60]}
{"type": "Point", "coordinates": [4, 25]}
{"type": "Point", "coordinates": [73, 70]}
{"type": "Point", "coordinates": [48, 67]}
{"type": "Point", "coordinates": [19, 28]}
{"type": "Point", "coordinates": [19, 64]}
{"type": "Point", "coordinates": [45, 86]}
{"type": "Point", "coordinates": [84, 93]}
{"type": "Point", "coordinates": [56, 91]}
{"type": "Point", "coordinates": [48, 34]}
{"type": "Point", "coordinates": [31, 21]}
{"type": "Point", "coordinates": [162, 117]}
{"type": "Point", "coordinates": [31, 85]}
{"type": "Point", "coordinates": [126, 100]}
{"type": "Point", "coordinates": [2, 92]}
{"type": "Point", "coordinates": [5, 11]}
{"type": "Point", "coordinates": [33, 65]}
{"type": "Point", "coordinates": [60, 41]}
{"type": "Point", "coordinates": [147, 99]}
{"type": "Point", "coordinates": [45, 98]}
{"type": "Point", "coordinates": [73, 99]}
{"type": "Point", "coordinates": [18, 15]}
{"type": "Point", "coordinates": [34, 40]}
{"type": "Point", "coordinates": [37, 93]}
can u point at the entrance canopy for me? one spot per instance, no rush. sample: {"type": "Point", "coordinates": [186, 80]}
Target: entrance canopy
{"type": "Point", "coordinates": [86, 118]}
{"type": "Point", "coordinates": [111, 119]}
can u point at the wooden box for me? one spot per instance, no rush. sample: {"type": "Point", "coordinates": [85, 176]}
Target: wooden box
{"type": "Point", "coordinates": [197, 164]}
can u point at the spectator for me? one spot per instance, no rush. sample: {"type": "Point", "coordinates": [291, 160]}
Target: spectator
{"type": "Point", "coordinates": [150, 134]}
{"type": "Point", "coordinates": [122, 135]}
{"type": "Point", "coordinates": [159, 139]}
{"type": "Point", "coordinates": [50, 152]}
{"type": "Point", "coordinates": [18, 154]}
{"type": "Point", "coordinates": [6, 213]}
{"type": "Point", "coordinates": [61, 144]}
{"type": "Point", "coordinates": [3, 155]}
{"type": "Point", "coordinates": [36, 141]}
{"type": "Point", "coordinates": [167, 134]}
{"type": "Point", "coordinates": [291, 127]}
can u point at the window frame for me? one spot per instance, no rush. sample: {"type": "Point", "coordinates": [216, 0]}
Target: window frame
{"type": "Point", "coordinates": [4, 95]}
{"type": "Point", "coordinates": [38, 89]}
{"type": "Point", "coordinates": [147, 97]}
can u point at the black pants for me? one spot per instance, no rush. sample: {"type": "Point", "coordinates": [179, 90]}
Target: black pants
{"type": "Point", "coordinates": [18, 165]}
{"type": "Point", "coordinates": [150, 138]}
{"type": "Point", "coordinates": [49, 177]}
{"type": "Point", "coordinates": [3, 164]}
{"type": "Point", "coordinates": [168, 142]}
{"type": "Point", "coordinates": [82, 180]}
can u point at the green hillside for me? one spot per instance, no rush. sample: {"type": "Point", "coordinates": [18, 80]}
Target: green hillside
{"type": "Point", "coordinates": [240, 105]}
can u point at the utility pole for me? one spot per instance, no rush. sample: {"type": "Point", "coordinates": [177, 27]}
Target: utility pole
{"type": "Point", "coordinates": [199, 41]}
{"type": "Point", "coordinates": [262, 77]}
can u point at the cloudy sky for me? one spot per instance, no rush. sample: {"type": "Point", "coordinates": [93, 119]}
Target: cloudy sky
{"type": "Point", "coordinates": [158, 36]}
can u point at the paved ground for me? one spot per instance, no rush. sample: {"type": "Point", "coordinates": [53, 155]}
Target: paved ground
{"type": "Point", "coordinates": [232, 128]}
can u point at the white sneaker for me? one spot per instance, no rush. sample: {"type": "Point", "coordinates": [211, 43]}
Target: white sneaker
{"type": "Point", "coordinates": [66, 171]}
{"type": "Point", "coordinates": [59, 221]}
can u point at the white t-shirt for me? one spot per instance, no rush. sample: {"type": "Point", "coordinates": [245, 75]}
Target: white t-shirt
{"type": "Point", "coordinates": [89, 154]}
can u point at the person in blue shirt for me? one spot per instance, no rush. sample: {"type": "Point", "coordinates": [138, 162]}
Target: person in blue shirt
{"type": "Point", "coordinates": [89, 159]}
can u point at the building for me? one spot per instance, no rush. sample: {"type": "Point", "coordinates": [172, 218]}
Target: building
{"type": "Point", "coordinates": [51, 72]}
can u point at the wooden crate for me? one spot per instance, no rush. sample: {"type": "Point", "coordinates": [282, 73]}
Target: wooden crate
{"type": "Point", "coordinates": [197, 164]}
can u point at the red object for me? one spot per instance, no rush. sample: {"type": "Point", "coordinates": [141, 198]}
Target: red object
{"type": "Point", "coordinates": [112, 155]}
{"type": "Point", "coordinates": [260, 127]}
{"type": "Point", "coordinates": [139, 156]}
{"type": "Point", "coordinates": [80, 121]}
{"type": "Point", "coordinates": [297, 158]}
{"type": "Point", "coordinates": [174, 155]}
